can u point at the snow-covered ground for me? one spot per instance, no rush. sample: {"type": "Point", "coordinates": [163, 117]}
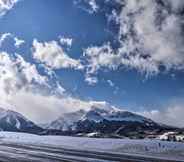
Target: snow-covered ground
{"type": "Point", "coordinates": [142, 147]}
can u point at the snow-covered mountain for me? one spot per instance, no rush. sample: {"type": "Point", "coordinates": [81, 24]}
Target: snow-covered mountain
{"type": "Point", "coordinates": [14, 121]}
{"type": "Point", "coordinates": [66, 121]}
{"type": "Point", "coordinates": [96, 121]}
{"type": "Point", "coordinates": [104, 121]}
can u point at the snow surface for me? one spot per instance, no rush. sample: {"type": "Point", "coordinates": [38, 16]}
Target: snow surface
{"type": "Point", "coordinates": [173, 150]}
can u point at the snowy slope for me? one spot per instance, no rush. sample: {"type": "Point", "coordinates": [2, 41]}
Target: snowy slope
{"type": "Point", "coordinates": [66, 121]}
{"type": "Point", "coordinates": [97, 114]}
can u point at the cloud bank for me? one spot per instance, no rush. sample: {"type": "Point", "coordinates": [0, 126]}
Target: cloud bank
{"type": "Point", "coordinates": [171, 115]}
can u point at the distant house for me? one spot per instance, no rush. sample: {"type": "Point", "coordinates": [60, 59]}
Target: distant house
{"type": "Point", "coordinates": [172, 136]}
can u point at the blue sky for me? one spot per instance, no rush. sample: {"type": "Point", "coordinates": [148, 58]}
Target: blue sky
{"type": "Point", "coordinates": [143, 77]}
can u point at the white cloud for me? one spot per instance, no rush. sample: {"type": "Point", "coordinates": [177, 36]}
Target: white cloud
{"type": "Point", "coordinates": [6, 5]}
{"type": "Point", "coordinates": [110, 83]}
{"type": "Point", "coordinates": [98, 57]}
{"type": "Point", "coordinates": [89, 6]}
{"type": "Point", "coordinates": [37, 106]}
{"type": "Point", "coordinates": [18, 42]}
{"type": "Point", "coordinates": [93, 5]}
{"type": "Point", "coordinates": [157, 33]}
{"type": "Point", "coordinates": [150, 35]}
{"type": "Point", "coordinates": [91, 80]}
{"type": "Point", "coordinates": [66, 41]}
{"type": "Point", "coordinates": [19, 91]}
{"type": "Point", "coordinates": [45, 108]}
{"type": "Point", "coordinates": [23, 89]}
{"type": "Point", "coordinates": [51, 54]}
{"type": "Point", "coordinates": [175, 5]}
{"type": "Point", "coordinates": [3, 37]}
{"type": "Point", "coordinates": [16, 73]}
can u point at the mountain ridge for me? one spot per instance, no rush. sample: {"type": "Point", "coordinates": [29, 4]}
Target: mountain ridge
{"type": "Point", "coordinates": [105, 122]}
{"type": "Point", "coordinates": [94, 122]}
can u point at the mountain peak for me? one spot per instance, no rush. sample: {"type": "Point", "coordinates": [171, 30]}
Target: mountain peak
{"type": "Point", "coordinates": [96, 118]}
{"type": "Point", "coordinates": [13, 121]}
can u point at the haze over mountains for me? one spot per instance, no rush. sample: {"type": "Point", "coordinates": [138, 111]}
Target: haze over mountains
{"type": "Point", "coordinates": [96, 121]}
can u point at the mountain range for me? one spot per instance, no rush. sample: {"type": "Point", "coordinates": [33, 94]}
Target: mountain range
{"type": "Point", "coordinates": [94, 122]}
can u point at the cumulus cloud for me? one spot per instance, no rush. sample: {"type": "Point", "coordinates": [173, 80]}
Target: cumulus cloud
{"type": "Point", "coordinates": [19, 78]}
{"type": "Point", "coordinates": [53, 55]}
{"type": "Point", "coordinates": [16, 73]}
{"type": "Point", "coordinates": [157, 31]}
{"type": "Point", "coordinates": [99, 57]}
{"type": "Point", "coordinates": [6, 5]}
{"type": "Point", "coordinates": [23, 89]}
